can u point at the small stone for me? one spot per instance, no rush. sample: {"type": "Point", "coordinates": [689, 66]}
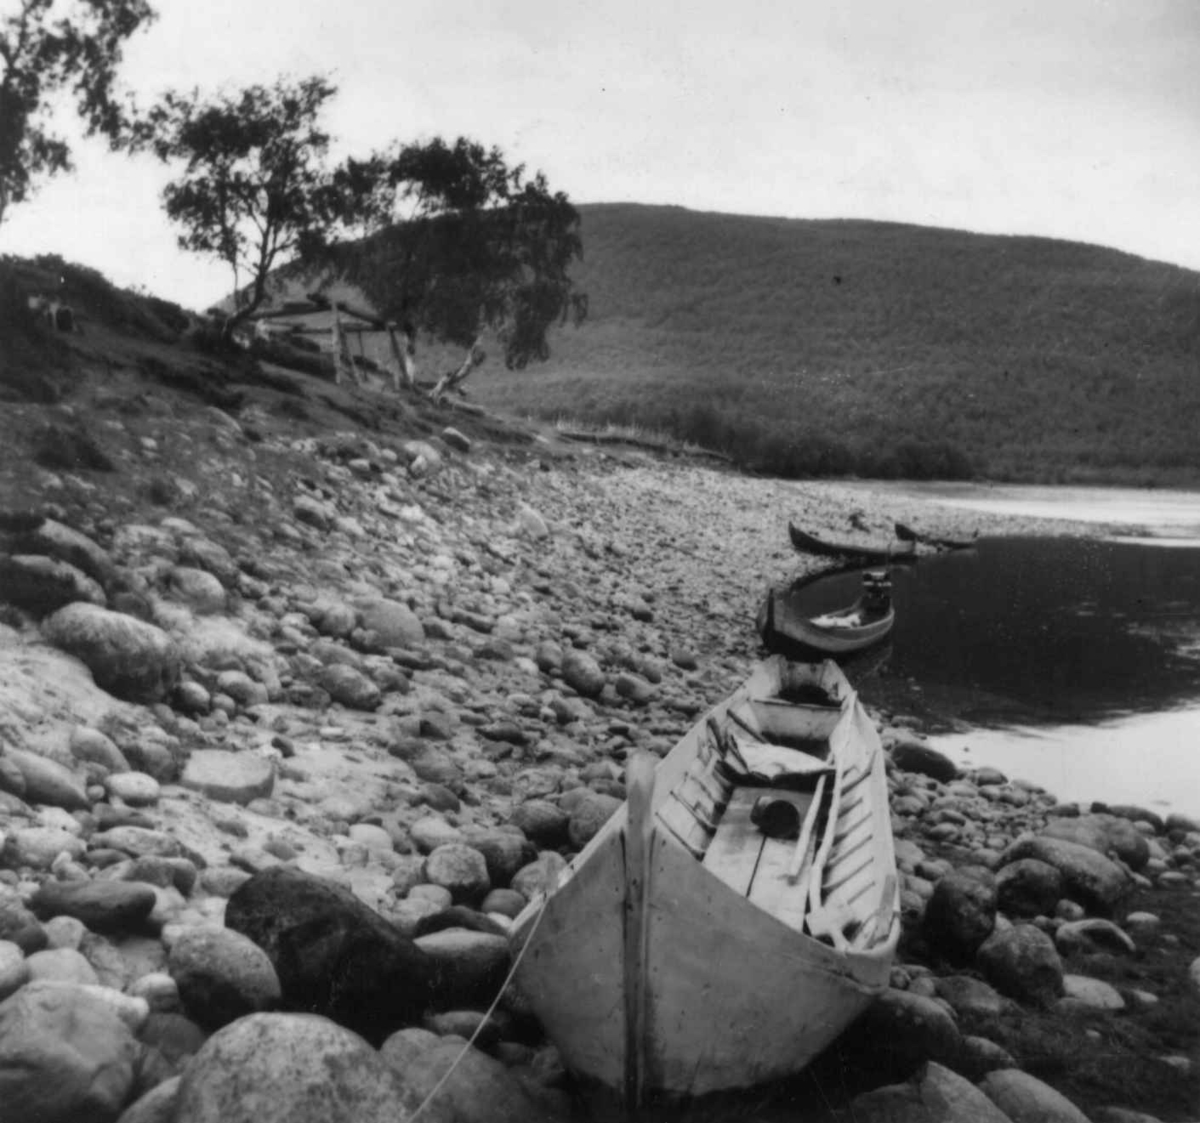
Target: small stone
{"type": "Point", "coordinates": [134, 788]}
{"type": "Point", "coordinates": [1093, 993]}
{"type": "Point", "coordinates": [1091, 934]}
{"type": "Point", "coordinates": [349, 687]}
{"type": "Point", "coordinates": [583, 674]}
{"type": "Point", "coordinates": [38, 847]}
{"type": "Point", "coordinates": [104, 906]}
{"type": "Point", "coordinates": [433, 831]}
{"type": "Point", "coordinates": [14, 971]}
{"type": "Point", "coordinates": [200, 591]}
{"type": "Point", "coordinates": [229, 777]}
{"type": "Point", "coordinates": [61, 965]}
{"type": "Point", "coordinates": [911, 754]}
{"type": "Point", "coordinates": [589, 815]}
{"type": "Point", "coordinates": [93, 746]}
{"type": "Point", "coordinates": [543, 822]}
{"type": "Point", "coordinates": [531, 524]}
{"type": "Point", "coordinates": [47, 781]}
{"type": "Point", "coordinates": [460, 869]}
{"type": "Point", "coordinates": [221, 975]}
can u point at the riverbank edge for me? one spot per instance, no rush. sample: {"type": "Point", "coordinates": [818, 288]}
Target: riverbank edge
{"type": "Point", "coordinates": [512, 520]}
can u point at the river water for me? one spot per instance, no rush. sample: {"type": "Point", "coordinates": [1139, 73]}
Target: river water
{"type": "Point", "coordinates": [1071, 662]}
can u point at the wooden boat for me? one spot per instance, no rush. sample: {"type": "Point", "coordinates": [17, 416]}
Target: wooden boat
{"type": "Point", "coordinates": [908, 534]}
{"type": "Point", "coordinates": [854, 628]}
{"type": "Point", "coordinates": [737, 912]}
{"type": "Point", "coordinates": [806, 543]}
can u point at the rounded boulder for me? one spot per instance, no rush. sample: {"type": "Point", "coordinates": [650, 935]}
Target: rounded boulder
{"type": "Point", "coordinates": [127, 657]}
{"type": "Point", "coordinates": [291, 1068]}
{"type": "Point", "coordinates": [65, 1056]}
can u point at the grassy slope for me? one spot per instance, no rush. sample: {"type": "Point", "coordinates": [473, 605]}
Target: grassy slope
{"type": "Point", "coordinates": [1036, 358]}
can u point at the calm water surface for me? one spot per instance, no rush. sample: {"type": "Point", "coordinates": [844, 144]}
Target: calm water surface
{"type": "Point", "coordinates": [1074, 663]}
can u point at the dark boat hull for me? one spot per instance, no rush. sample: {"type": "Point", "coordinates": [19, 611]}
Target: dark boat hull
{"type": "Point", "coordinates": [806, 543]}
{"type": "Point", "coordinates": [845, 632]}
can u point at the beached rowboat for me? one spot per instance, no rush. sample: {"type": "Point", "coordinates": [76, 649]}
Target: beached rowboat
{"type": "Point", "coordinates": [805, 543]}
{"type": "Point", "coordinates": [738, 911]}
{"type": "Point", "coordinates": [860, 625]}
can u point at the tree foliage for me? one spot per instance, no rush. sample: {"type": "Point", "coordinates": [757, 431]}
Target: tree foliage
{"type": "Point", "coordinates": [255, 189]}
{"type": "Point", "coordinates": [47, 48]}
{"type": "Point", "coordinates": [473, 244]}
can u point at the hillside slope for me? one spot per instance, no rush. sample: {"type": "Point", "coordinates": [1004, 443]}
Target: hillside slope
{"type": "Point", "coordinates": [827, 346]}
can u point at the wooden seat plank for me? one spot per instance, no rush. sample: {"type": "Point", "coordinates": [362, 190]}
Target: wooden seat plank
{"type": "Point", "coordinates": [734, 851]}
{"type": "Point", "coordinates": [771, 890]}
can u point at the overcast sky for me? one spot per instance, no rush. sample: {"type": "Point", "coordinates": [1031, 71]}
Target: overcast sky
{"type": "Point", "coordinates": [1075, 119]}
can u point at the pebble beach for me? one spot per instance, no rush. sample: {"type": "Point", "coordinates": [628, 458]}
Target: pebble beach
{"type": "Point", "coordinates": [302, 732]}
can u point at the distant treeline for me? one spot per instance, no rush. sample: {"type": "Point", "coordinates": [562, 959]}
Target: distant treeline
{"type": "Point", "coordinates": [805, 348]}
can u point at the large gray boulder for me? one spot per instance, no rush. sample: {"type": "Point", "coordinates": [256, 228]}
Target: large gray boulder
{"type": "Point", "coordinates": [333, 954]}
{"type": "Point", "coordinates": [1022, 962]}
{"type": "Point", "coordinates": [479, 1089]}
{"type": "Point", "coordinates": [935, 1094]}
{"type": "Point", "coordinates": [221, 975]}
{"type": "Point", "coordinates": [904, 1030]}
{"type": "Point", "coordinates": [1090, 878]}
{"type": "Point", "coordinates": [65, 1057]}
{"type": "Point", "coordinates": [912, 754]}
{"type": "Point", "coordinates": [127, 657]}
{"type": "Point", "coordinates": [42, 585]}
{"type": "Point", "coordinates": [962, 912]}
{"type": "Point", "coordinates": [592, 811]}
{"type": "Point", "coordinates": [292, 1068]}
{"type": "Point", "coordinates": [1026, 1099]}
{"type": "Point", "coordinates": [58, 541]}
{"type": "Point", "coordinates": [46, 781]}
{"type": "Point", "coordinates": [1110, 835]}
{"type": "Point", "coordinates": [1028, 887]}
{"type": "Point", "coordinates": [470, 966]}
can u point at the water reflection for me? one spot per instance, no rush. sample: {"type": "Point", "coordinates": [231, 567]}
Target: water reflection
{"type": "Point", "coordinates": [1030, 631]}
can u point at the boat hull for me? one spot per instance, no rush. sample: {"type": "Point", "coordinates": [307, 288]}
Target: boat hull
{"type": "Point", "coordinates": [805, 543]}
{"type": "Point", "coordinates": [783, 629]}
{"type": "Point", "coordinates": [735, 994]}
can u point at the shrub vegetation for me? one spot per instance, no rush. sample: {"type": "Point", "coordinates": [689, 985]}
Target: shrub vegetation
{"type": "Point", "coordinates": [833, 347]}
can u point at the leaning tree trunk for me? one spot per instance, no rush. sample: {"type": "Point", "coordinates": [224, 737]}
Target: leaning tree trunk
{"type": "Point", "coordinates": [343, 361]}
{"type": "Point", "coordinates": [405, 358]}
{"type": "Point", "coordinates": [453, 379]}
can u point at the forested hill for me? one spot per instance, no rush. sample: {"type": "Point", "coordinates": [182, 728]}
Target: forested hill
{"type": "Point", "coordinates": [879, 348]}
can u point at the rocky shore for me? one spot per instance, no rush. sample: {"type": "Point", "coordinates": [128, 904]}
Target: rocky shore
{"type": "Point", "coordinates": [299, 723]}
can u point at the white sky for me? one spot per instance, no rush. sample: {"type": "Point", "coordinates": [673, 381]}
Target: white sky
{"type": "Point", "coordinates": [1075, 119]}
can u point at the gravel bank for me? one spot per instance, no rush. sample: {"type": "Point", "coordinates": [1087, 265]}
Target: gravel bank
{"type": "Point", "coordinates": [357, 697]}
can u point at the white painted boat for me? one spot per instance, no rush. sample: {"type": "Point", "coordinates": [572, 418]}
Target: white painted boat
{"type": "Point", "coordinates": [738, 911]}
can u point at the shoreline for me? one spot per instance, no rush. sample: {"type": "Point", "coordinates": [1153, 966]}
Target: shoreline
{"type": "Point", "coordinates": [352, 658]}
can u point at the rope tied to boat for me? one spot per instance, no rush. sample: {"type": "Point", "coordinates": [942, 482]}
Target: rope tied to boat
{"type": "Point", "coordinates": [512, 971]}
